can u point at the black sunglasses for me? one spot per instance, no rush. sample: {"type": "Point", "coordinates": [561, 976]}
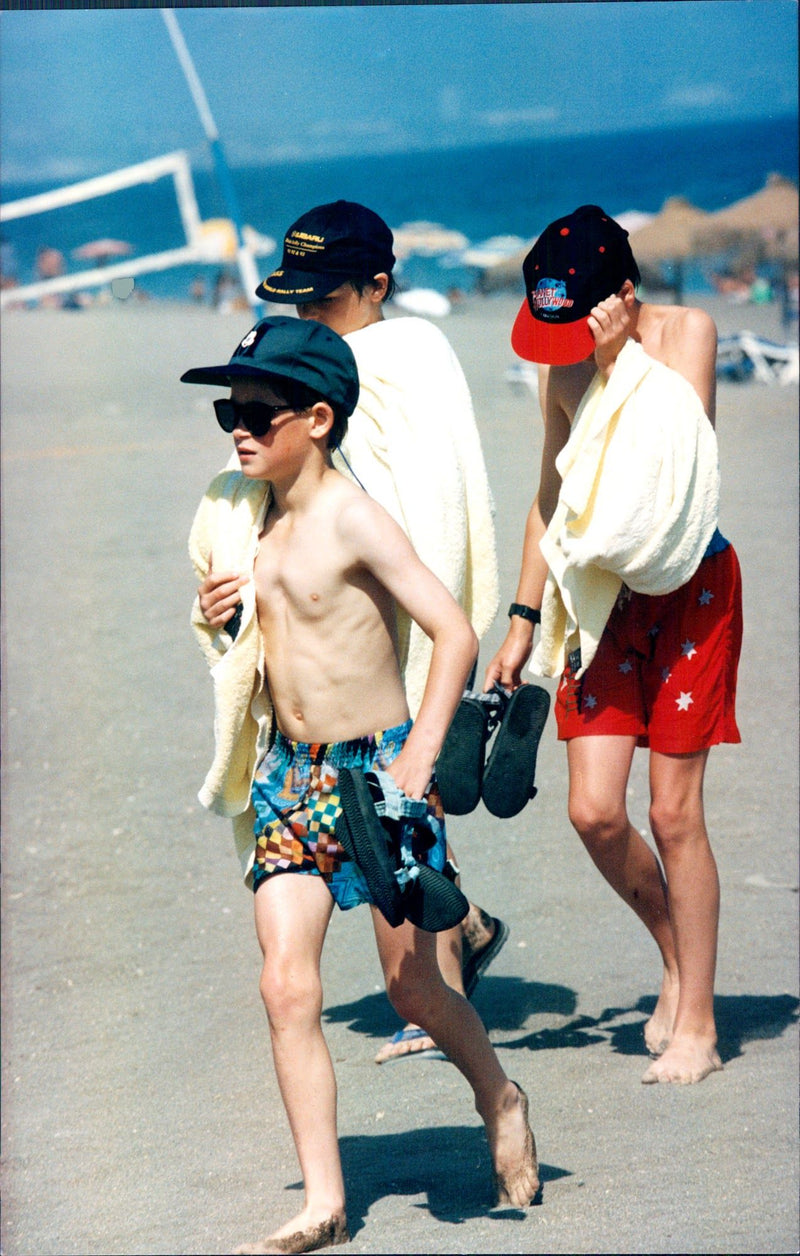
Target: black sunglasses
{"type": "Point", "coordinates": [256, 416]}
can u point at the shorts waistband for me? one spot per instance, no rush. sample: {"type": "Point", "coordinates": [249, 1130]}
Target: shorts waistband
{"type": "Point", "coordinates": [339, 753]}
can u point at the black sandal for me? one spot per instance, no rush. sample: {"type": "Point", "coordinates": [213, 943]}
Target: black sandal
{"type": "Point", "coordinates": [459, 767]}
{"type": "Point", "coordinates": [401, 887]}
{"type": "Point", "coordinates": [511, 767]}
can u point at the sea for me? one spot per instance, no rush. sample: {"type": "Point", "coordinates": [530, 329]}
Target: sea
{"type": "Point", "coordinates": [511, 189]}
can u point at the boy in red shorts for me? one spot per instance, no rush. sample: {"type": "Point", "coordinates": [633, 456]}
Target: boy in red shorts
{"type": "Point", "coordinates": [638, 593]}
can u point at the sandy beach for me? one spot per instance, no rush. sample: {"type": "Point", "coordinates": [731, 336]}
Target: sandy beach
{"type": "Point", "coordinates": [140, 1110]}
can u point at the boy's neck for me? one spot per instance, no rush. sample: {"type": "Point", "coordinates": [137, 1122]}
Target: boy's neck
{"type": "Point", "coordinates": [293, 493]}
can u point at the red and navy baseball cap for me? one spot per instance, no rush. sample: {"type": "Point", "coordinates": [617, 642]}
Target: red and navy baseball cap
{"type": "Point", "coordinates": [576, 262]}
{"type": "Point", "coordinates": [299, 350]}
{"type": "Point", "coordinates": [325, 247]}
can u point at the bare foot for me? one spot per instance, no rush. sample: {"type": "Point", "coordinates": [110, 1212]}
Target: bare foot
{"type": "Point", "coordinates": [511, 1143]}
{"type": "Point", "coordinates": [300, 1235]}
{"type": "Point", "coordinates": [408, 1041]}
{"type": "Point", "coordinates": [658, 1030]}
{"type": "Point", "coordinates": [686, 1060]}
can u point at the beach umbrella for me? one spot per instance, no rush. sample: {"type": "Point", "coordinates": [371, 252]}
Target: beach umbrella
{"type": "Point", "coordinates": [217, 240]}
{"type": "Point", "coordinates": [766, 224]}
{"type": "Point", "coordinates": [101, 251]}
{"type": "Point", "coordinates": [668, 237]}
{"type": "Point", "coordinates": [427, 239]}
{"type": "Point", "coordinates": [670, 234]}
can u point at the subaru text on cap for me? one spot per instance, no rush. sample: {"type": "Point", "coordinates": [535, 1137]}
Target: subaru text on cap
{"type": "Point", "coordinates": [577, 262]}
{"type": "Point", "coordinates": [325, 247]}
{"type": "Point", "coordinates": [300, 350]}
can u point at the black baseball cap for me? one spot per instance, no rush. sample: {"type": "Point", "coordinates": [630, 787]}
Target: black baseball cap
{"type": "Point", "coordinates": [576, 262]}
{"type": "Point", "coordinates": [325, 247]}
{"type": "Point", "coordinates": [295, 349]}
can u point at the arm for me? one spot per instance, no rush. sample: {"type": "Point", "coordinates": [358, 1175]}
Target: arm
{"type": "Point", "coordinates": [386, 552]}
{"type": "Point", "coordinates": [506, 666]}
{"type": "Point", "coordinates": [690, 344]}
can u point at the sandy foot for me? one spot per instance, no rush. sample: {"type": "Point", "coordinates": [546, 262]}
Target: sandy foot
{"type": "Point", "coordinates": [511, 1142]}
{"type": "Point", "coordinates": [299, 1236]}
{"type": "Point", "coordinates": [684, 1062]}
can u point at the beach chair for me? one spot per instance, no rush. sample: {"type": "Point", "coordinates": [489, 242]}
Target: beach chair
{"type": "Point", "coordinates": [746, 355]}
{"type": "Point", "coordinates": [523, 375]}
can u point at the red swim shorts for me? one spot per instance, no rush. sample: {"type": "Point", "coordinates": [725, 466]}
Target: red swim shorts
{"type": "Point", "coordinates": [665, 668]}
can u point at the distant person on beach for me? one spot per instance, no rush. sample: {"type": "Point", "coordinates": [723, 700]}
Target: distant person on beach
{"type": "Point", "coordinates": [413, 444]}
{"type": "Point", "coordinates": [639, 595]}
{"type": "Point", "coordinates": [314, 656]}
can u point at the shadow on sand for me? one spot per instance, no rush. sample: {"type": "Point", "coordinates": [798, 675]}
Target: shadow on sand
{"type": "Point", "coordinates": [448, 1166]}
{"type": "Point", "coordinates": [508, 1003]}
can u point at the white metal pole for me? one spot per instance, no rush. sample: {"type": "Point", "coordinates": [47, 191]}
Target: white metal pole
{"type": "Point", "coordinates": [247, 267]}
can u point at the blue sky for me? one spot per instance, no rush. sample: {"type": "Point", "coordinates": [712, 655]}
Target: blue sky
{"type": "Point", "coordinates": [86, 91]}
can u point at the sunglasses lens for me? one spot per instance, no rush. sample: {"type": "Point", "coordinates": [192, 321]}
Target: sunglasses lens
{"type": "Point", "coordinates": [256, 416]}
{"type": "Point", "coordinates": [226, 415]}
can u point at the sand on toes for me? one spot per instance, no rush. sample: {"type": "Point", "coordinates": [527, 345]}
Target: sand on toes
{"type": "Point", "coordinates": [310, 1238]}
{"type": "Point", "coordinates": [513, 1148]}
{"type": "Point", "coordinates": [683, 1064]}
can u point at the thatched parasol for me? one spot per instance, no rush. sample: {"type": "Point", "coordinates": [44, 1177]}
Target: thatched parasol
{"type": "Point", "coordinates": [765, 224]}
{"type": "Point", "coordinates": [668, 237]}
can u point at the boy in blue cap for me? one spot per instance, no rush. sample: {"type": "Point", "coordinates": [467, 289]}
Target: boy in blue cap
{"type": "Point", "coordinates": [315, 650]}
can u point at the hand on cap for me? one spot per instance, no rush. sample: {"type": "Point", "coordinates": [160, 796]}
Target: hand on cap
{"type": "Point", "coordinates": [219, 596]}
{"type": "Point", "coordinates": [611, 324]}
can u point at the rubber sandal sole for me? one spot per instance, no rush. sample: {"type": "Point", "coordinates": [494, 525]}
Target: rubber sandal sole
{"type": "Point", "coordinates": [511, 768]}
{"type": "Point", "coordinates": [459, 767]}
{"type": "Point", "coordinates": [434, 903]}
{"type": "Point", "coordinates": [368, 844]}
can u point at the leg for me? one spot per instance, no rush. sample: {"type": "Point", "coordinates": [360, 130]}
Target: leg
{"type": "Point", "coordinates": [417, 991]}
{"type": "Point", "coordinates": [598, 776]}
{"type": "Point", "coordinates": [292, 912]}
{"type": "Point", "coordinates": [678, 825]}
{"type": "Point", "coordinates": [456, 950]}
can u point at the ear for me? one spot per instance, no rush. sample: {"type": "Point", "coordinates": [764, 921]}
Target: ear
{"type": "Point", "coordinates": [378, 292]}
{"type": "Point", "coordinates": [627, 292]}
{"type": "Point", "coordinates": [320, 420]}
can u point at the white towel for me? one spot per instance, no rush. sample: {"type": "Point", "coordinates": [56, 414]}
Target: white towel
{"type": "Point", "coordinates": [638, 503]}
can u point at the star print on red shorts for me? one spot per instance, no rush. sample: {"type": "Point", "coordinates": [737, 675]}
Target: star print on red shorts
{"type": "Point", "coordinates": [665, 668]}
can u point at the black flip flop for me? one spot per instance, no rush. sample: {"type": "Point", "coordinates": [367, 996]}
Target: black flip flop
{"type": "Point", "coordinates": [400, 889]}
{"type": "Point", "coordinates": [511, 767]}
{"type": "Point", "coordinates": [432, 902]}
{"type": "Point", "coordinates": [369, 844]}
{"type": "Point", "coordinates": [459, 767]}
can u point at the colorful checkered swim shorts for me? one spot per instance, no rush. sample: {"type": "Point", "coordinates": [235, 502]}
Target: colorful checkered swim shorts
{"type": "Point", "coordinates": [665, 668]}
{"type": "Point", "coordinates": [296, 800]}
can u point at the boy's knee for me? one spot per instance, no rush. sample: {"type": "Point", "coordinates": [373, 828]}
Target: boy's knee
{"type": "Point", "coordinates": [673, 820]}
{"type": "Point", "coordinates": [410, 995]}
{"type": "Point", "coordinates": [597, 820]}
{"type": "Point", "coordinates": [290, 998]}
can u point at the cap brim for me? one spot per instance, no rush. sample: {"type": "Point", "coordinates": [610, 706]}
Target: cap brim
{"type": "Point", "coordinates": [294, 287]}
{"type": "Point", "coordinates": [223, 375]}
{"type": "Point", "coordinates": [554, 344]}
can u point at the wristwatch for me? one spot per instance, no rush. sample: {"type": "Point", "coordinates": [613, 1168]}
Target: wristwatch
{"type": "Point", "coordinates": [525, 612]}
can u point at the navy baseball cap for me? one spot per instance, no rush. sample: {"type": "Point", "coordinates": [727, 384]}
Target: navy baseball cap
{"type": "Point", "coordinates": [295, 349]}
{"type": "Point", "coordinates": [324, 248]}
{"type": "Point", "coordinates": [576, 262]}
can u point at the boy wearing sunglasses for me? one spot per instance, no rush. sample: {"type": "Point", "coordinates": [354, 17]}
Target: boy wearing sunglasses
{"type": "Point", "coordinates": [316, 651]}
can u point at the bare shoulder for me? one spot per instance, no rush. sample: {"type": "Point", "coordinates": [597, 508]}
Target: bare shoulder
{"type": "Point", "coordinates": [684, 338]}
{"type": "Point", "coordinates": [670, 332]}
{"type": "Point", "coordinates": [359, 521]}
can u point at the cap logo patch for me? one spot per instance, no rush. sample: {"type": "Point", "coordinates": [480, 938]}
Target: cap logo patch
{"type": "Point", "coordinates": [551, 295]}
{"type": "Point", "coordinates": [250, 339]}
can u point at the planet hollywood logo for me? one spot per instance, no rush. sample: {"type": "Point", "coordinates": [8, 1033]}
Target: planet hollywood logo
{"type": "Point", "coordinates": [550, 295]}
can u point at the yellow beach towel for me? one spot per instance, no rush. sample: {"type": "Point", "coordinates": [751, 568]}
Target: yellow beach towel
{"type": "Point", "coordinates": [638, 503]}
